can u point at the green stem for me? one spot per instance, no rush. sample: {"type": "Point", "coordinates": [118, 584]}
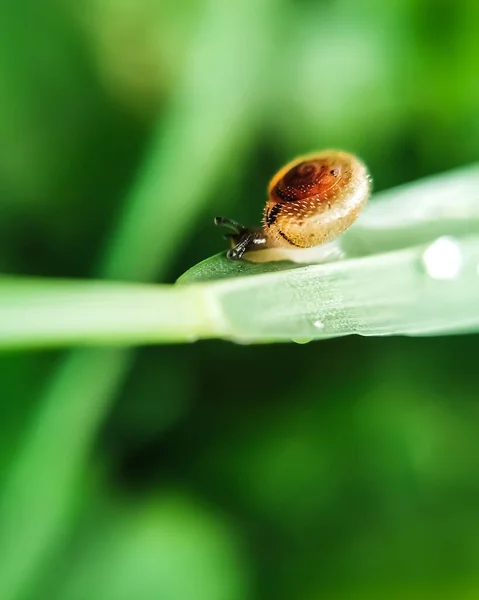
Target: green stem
{"type": "Point", "coordinates": [45, 313]}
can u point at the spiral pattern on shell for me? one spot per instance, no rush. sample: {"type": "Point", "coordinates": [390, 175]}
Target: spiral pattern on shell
{"type": "Point", "coordinates": [314, 198]}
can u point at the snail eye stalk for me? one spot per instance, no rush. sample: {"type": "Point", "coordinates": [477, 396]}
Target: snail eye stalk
{"type": "Point", "coordinates": [230, 224]}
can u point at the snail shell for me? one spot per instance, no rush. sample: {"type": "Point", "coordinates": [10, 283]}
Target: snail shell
{"type": "Point", "coordinates": [314, 198]}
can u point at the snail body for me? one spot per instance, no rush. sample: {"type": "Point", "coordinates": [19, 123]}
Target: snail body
{"type": "Point", "coordinates": [311, 200]}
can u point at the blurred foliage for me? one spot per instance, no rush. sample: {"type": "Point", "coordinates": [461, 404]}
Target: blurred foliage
{"type": "Point", "coordinates": [341, 469]}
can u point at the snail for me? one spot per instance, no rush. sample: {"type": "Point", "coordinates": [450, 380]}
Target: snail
{"type": "Point", "coordinates": [311, 201]}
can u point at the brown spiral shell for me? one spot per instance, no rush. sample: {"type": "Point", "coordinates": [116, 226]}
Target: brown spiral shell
{"type": "Point", "coordinates": [314, 198]}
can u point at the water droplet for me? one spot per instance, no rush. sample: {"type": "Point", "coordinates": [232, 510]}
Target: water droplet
{"type": "Point", "coordinates": [318, 324]}
{"type": "Point", "coordinates": [301, 340]}
{"type": "Point", "coordinates": [443, 258]}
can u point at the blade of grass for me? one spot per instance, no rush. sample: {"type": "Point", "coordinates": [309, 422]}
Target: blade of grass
{"type": "Point", "coordinates": [42, 313]}
{"type": "Point", "coordinates": [397, 292]}
{"type": "Point", "coordinates": [204, 125]}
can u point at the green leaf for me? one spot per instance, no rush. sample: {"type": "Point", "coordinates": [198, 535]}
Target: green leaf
{"type": "Point", "coordinates": [409, 266]}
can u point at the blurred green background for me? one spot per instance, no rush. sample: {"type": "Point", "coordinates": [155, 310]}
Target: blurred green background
{"type": "Point", "coordinates": [342, 469]}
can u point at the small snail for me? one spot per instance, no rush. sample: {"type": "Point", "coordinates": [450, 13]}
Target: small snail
{"type": "Point", "coordinates": [311, 201]}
